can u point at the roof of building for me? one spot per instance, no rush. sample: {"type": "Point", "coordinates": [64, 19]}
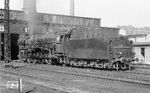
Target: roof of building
{"type": "Point", "coordinates": [56, 14]}
{"type": "Point", "coordinates": [52, 18]}
{"type": "Point", "coordinates": [138, 35]}
{"type": "Point", "coordinates": [132, 31]}
{"type": "Point", "coordinates": [137, 32]}
{"type": "Point", "coordinates": [142, 44]}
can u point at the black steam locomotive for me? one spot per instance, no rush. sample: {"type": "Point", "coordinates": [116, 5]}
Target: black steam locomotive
{"type": "Point", "coordinates": [78, 48]}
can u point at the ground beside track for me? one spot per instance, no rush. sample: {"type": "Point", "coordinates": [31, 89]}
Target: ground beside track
{"type": "Point", "coordinates": [28, 87]}
{"type": "Point", "coordinates": [79, 84]}
{"type": "Point", "coordinates": [134, 76]}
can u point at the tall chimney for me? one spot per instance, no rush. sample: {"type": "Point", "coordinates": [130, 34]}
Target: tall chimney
{"type": "Point", "coordinates": [72, 7]}
{"type": "Point", "coordinates": [29, 6]}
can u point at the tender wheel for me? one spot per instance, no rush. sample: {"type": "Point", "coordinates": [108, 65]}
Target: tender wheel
{"type": "Point", "coordinates": [128, 67]}
{"type": "Point", "coordinates": [49, 61]}
{"type": "Point", "coordinates": [116, 65]}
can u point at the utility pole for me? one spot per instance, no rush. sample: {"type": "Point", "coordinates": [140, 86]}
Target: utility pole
{"type": "Point", "coordinates": [7, 41]}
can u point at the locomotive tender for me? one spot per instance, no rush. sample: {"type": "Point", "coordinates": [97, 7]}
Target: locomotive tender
{"type": "Point", "coordinates": [78, 47]}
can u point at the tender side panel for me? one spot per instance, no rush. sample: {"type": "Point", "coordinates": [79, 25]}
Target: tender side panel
{"type": "Point", "coordinates": [94, 33]}
{"type": "Point", "coordinates": [87, 49]}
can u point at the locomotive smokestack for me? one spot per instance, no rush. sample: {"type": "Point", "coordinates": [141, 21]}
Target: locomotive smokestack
{"type": "Point", "coordinates": [29, 6]}
{"type": "Point", "coordinates": [72, 7]}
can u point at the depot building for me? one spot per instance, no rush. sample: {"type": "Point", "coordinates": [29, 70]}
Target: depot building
{"type": "Point", "coordinates": [29, 20]}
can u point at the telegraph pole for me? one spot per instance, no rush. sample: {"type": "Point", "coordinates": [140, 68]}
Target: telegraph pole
{"type": "Point", "coordinates": [7, 41]}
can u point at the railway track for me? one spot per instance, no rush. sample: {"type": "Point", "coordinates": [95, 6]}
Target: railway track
{"type": "Point", "coordinates": [69, 90]}
{"type": "Point", "coordinates": [128, 76]}
{"type": "Point", "coordinates": [144, 66]}
{"type": "Point", "coordinates": [125, 76]}
{"type": "Point", "coordinates": [62, 70]}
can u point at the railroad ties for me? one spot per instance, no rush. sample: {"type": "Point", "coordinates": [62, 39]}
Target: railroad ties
{"type": "Point", "coordinates": [125, 76]}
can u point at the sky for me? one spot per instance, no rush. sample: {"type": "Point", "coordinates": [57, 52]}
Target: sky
{"type": "Point", "coordinates": [111, 12]}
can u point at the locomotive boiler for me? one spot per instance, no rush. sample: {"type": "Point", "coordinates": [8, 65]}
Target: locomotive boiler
{"type": "Point", "coordinates": [79, 48]}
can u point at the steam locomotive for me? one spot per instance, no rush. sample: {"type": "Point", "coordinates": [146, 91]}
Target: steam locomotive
{"type": "Point", "coordinates": [76, 48]}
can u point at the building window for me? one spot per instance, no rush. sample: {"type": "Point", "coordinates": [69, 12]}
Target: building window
{"type": "Point", "coordinates": [143, 52]}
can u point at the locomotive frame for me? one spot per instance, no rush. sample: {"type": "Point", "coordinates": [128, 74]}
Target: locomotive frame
{"type": "Point", "coordinates": [85, 53]}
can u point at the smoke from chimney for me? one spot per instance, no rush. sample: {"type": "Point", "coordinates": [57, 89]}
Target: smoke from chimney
{"type": "Point", "coordinates": [72, 7]}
